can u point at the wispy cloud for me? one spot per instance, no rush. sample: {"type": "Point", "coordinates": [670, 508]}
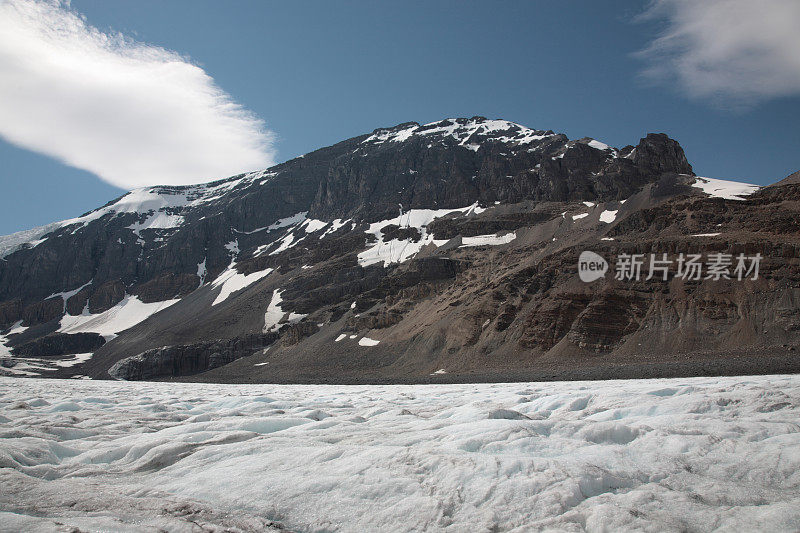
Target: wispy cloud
{"type": "Point", "coordinates": [131, 113]}
{"type": "Point", "coordinates": [734, 53]}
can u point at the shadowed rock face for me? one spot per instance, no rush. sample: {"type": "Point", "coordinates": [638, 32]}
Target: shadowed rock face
{"type": "Point", "coordinates": [371, 185]}
{"type": "Point", "coordinates": [657, 154]}
{"type": "Point", "coordinates": [10, 311]}
{"type": "Point", "coordinates": [60, 344]}
{"type": "Point", "coordinates": [40, 312]}
{"type": "Point", "coordinates": [187, 360]}
{"type": "Point", "coordinates": [475, 227]}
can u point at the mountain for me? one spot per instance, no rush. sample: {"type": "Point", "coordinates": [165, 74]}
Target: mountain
{"type": "Point", "coordinates": [445, 251]}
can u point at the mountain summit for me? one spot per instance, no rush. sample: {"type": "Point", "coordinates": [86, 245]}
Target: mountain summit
{"type": "Point", "coordinates": [438, 251]}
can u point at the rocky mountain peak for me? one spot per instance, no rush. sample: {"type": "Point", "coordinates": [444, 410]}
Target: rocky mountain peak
{"type": "Point", "coordinates": [458, 161]}
{"type": "Point", "coordinates": [470, 133]}
{"type": "Point", "coordinates": [658, 153]}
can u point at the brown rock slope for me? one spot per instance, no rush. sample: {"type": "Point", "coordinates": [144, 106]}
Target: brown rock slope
{"type": "Point", "coordinates": [519, 311]}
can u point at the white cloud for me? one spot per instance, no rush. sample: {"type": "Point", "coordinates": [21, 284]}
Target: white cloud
{"type": "Point", "coordinates": [132, 113]}
{"type": "Point", "coordinates": [731, 52]}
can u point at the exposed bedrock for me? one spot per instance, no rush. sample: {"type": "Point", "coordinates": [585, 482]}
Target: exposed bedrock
{"type": "Point", "coordinates": [60, 344]}
{"type": "Point", "coordinates": [185, 360]}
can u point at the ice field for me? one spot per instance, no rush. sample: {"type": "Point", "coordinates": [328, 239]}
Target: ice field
{"type": "Point", "coordinates": [660, 455]}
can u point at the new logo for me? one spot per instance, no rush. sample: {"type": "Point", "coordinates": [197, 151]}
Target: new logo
{"type": "Point", "coordinates": [591, 266]}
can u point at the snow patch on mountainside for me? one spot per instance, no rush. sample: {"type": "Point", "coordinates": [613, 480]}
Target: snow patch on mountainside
{"type": "Point", "coordinates": [289, 239]}
{"type": "Point", "coordinates": [400, 250]}
{"type": "Point", "coordinates": [335, 226]}
{"type": "Point", "coordinates": [597, 145]}
{"type": "Point", "coordinates": [608, 216]}
{"type": "Point", "coordinates": [285, 243]}
{"type": "Point", "coordinates": [233, 247]}
{"type": "Point", "coordinates": [17, 328]}
{"type": "Point", "coordinates": [393, 251]}
{"type": "Point", "coordinates": [156, 220]}
{"type": "Point", "coordinates": [158, 203]}
{"type": "Point", "coordinates": [488, 240]}
{"type": "Point", "coordinates": [231, 280]}
{"type": "Point", "coordinates": [5, 351]}
{"type": "Point", "coordinates": [274, 314]}
{"type": "Point", "coordinates": [311, 225]}
{"type": "Point", "coordinates": [729, 190]}
{"type": "Point", "coordinates": [288, 221]}
{"type": "Point", "coordinates": [280, 223]}
{"type": "Point", "coordinates": [202, 271]}
{"type": "Point", "coordinates": [126, 314]}
{"type": "Point", "coordinates": [11, 243]}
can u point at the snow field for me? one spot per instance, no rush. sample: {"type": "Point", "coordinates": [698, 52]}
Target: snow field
{"type": "Point", "coordinates": [729, 190]}
{"type": "Point", "coordinates": [668, 454]}
{"type": "Point", "coordinates": [126, 314]}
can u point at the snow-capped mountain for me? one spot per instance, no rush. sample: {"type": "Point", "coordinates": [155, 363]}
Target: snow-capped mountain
{"type": "Point", "coordinates": [447, 246]}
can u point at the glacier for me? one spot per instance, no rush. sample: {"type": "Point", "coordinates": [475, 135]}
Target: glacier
{"type": "Point", "coordinates": [682, 454]}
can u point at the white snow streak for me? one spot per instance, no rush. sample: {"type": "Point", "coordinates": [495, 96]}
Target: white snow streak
{"type": "Point", "coordinates": [274, 316]}
{"type": "Point", "coordinates": [66, 295]}
{"type": "Point", "coordinates": [231, 281]}
{"type": "Point", "coordinates": [488, 240]}
{"type": "Point", "coordinates": [311, 225]}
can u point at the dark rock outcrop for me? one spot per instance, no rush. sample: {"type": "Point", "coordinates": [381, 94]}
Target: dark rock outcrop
{"type": "Point", "coordinates": [41, 312]}
{"type": "Point", "coordinates": [106, 296]}
{"type": "Point", "coordinates": [10, 312]}
{"type": "Point", "coordinates": [78, 302]}
{"type": "Point", "coordinates": [657, 154]}
{"type": "Point", "coordinates": [60, 344]}
{"type": "Point", "coordinates": [186, 360]}
{"type": "Point", "coordinates": [167, 287]}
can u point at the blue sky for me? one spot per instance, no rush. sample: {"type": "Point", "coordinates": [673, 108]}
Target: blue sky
{"type": "Point", "coordinates": [319, 72]}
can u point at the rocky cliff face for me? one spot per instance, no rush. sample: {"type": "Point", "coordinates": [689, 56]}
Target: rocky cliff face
{"type": "Point", "coordinates": [187, 360]}
{"type": "Point", "coordinates": [449, 246]}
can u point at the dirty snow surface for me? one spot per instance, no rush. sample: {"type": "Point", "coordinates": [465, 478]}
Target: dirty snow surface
{"type": "Point", "coordinates": [694, 454]}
